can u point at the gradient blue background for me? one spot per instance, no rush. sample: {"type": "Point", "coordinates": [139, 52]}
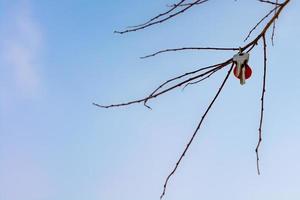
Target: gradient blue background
{"type": "Point", "coordinates": [57, 57]}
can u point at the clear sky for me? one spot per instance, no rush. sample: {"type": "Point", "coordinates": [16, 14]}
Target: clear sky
{"type": "Point", "coordinates": [59, 56]}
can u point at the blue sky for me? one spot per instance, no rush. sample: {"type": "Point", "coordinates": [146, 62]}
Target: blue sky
{"type": "Point", "coordinates": [57, 57]}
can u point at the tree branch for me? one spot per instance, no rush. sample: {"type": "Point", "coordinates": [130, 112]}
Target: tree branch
{"type": "Point", "coordinates": [195, 133]}
{"type": "Point", "coordinates": [266, 16]}
{"type": "Point", "coordinates": [191, 48]}
{"type": "Point", "coordinates": [262, 105]}
{"type": "Point", "coordinates": [154, 94]}
{"type": "Point", "coordinates": [259, 36]}
{"type": "Point", "coordinates": [213, 67]}
{"type": "Point", "coordinates": [202, 79]}
{"type": "Point", "coordinates": [162, 20]}
{"type": "Point", "coordinates": [160, 15]}
{"type": "Point", "coordinates": [204, 73]}
{"type": "Point", "coordinates": [271, 2]}
{"type": "Point", "coordinates": [273, 28]}
{"type": "Point", "coordinates": [187, 4]}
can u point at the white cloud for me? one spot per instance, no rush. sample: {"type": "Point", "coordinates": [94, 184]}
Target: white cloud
{"type": "Point", "coordinates": [21, 49]}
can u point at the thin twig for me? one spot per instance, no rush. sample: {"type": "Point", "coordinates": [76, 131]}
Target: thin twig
{"type": "Point", "coordinates": [262, 105]}
{"type": "Point", "coordinates": [159, 15]}
{"type": "Point", "coordinates": [191, 48]}
{"type": "Point", "coordinates": [195, 133]}
{"type": "Point", "coordinates": [267, 26]}
{"type": "Point", "coordinates": [159, 21]}
{"type": "Point", "coordinates": [220, 65]}
{"type": "Point", "coordinates": [154, 95]}
{"type": "Point", "coordinates": [202, 79]}
{"type": "Point", "coordinates": [266, 16]}
{"type": "Point", "coordinates": [271, 2]}
{"type": "Point", "coordinates": [187, 4]}
{"type": "Point", "coordinates": [273, 28]}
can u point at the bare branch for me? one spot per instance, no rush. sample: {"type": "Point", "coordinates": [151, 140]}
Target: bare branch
{"type": "Point", "coordinates": [262, 105]}
{"type": "Point", "coordinates": [271, 2]}
{"type": "Point", "coordinates": [195, 133]}
{"type": "Point", "coordinates": [160, 15]}
{"type": "Point", "coordinates": [266, 16]}
{"type": "Point", "coordinates": [187, 4]}
{"type": "Point", "coordinates": [162, 20]}
{"type": "Point", "coordinates": [191, 48]}
{"type": "Point", "coordinates": [154, 94]}
{"type": "Point", "coordinates": [202, 79]}
{"type": "Point", "coordinates": [220, 65]}
{"type": "Point", "coordinates": [204, 73]}
{"type": "Point", "coordinates": [273, 28]}
{"type": "Point", "coordinates": [267, 26]}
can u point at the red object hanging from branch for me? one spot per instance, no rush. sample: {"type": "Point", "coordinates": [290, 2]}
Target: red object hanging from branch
{"type": "Point", "coordinates": [248, 72]}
